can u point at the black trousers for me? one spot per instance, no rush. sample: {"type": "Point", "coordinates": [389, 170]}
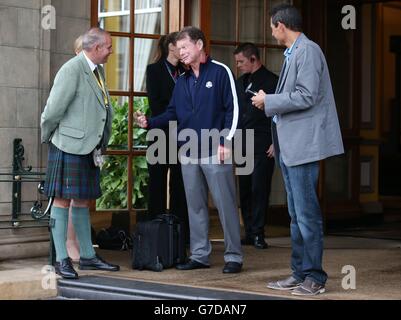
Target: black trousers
{"type": "Point", "coordinates": [157, 199]}
{"type": "Point", "coordinates": [254, 195]}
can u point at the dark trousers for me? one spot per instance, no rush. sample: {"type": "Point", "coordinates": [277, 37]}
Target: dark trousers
{"type": "Point", "coordinates": [157, 199]}
{"type": "Point", "coordinates": [254, 195]}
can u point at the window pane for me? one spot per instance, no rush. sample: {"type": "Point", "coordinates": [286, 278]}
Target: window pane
{"type": "Point", "coordinates": [140, 104]}
{"type": "Point", "coordinates": [150, 16]}
{"type": "Point", "coordinates": [274, 60]}
{"type": "Point", "coordinates": [117, 67]}
{"type": "Point", "coordinates": [194, 13]}
{"type": "Point", "coordinates": [144, 53]}
{"type": "Point", "coordinates": [224, 54]}
{"type": "Point", "coordinates": [119, 134]}
{"type": "Point", "coordinates": [113, 181]}
{"type": "Point", "coordinates": [114, 15]}
{"type": "Point", "coordinates": [338, 178]}
{"type": "Point", "coordinates": [223, 20]}
{"type": "Point", "coordinates": [140, 187]}
{"type": "Point", "coordinates": [251, 17]}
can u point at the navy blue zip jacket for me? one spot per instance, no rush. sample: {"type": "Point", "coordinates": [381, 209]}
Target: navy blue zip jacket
{"type": "Point", "coordinates": [208, 102]}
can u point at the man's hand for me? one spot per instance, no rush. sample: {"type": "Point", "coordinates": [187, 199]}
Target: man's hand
{"type": "Point", "coordinates": [270, 152]}
{"type": "Point", "coordinates": [140, 119]}
{"type": "Point", "coordinates": [223, 153]}
{"type": "Point", "coordinates": [259, 100]}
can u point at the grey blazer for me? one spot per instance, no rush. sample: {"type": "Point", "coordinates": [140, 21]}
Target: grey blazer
{"type": "Point", "coordinates": [307, 128]}
{"type": "Point", "coordinates": [75, 118]}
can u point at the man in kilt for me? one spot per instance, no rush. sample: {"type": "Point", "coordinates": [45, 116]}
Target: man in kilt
{"type": "Point", "coordinates": [76, 123]}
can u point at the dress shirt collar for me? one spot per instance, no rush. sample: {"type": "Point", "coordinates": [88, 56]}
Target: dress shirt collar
{"type": "Point", "coordinates": [92, 66]}
{"type": "Point", "coordinates": [288, 51]}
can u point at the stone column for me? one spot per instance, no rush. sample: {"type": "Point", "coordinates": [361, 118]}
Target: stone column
{"type": "Point", "coordinates": [30, 57]}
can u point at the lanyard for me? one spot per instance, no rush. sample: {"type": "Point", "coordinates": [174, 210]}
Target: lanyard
{"type": "Point", "coordinates": [169, 71]}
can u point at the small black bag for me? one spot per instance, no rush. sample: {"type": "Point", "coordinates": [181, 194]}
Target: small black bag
{"type": "Point", "coordinates": [113, 238]}
{"type": "Point", "coordinates": [158, 244]}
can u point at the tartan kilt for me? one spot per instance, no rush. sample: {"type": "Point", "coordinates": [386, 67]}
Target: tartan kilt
{"type": "Point", "coordinates": [71, 176]}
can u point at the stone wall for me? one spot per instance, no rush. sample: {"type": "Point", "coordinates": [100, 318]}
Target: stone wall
{"type": "Point", "coordinates": [30, 58]}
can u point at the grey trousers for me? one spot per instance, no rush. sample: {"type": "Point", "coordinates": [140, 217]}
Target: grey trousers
{"type": "Point", "coordinates": [219, 179]}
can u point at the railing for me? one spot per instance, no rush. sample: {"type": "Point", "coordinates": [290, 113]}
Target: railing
{"type": "Point", "coordinates": [17, 177]}
{"type": "Point", "coordinates": [38, 216]}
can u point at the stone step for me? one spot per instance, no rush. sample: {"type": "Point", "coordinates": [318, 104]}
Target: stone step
{"type": "Point", "coordinates": [26, 279]}
{"type": "Point", "coordinates": [109, 288]}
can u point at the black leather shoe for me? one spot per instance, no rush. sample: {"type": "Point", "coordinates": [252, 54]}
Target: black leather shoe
{"type": "Point", "coordinates": [190, 265]}
{"type": "Point", "coordinates": [232, 267]}
{"type": "Point", "coordinates": [97, 263]}
{"type": "Point", "coordinates": [259, 242]}
{"type": "Point", "coordinates": [65, 269]}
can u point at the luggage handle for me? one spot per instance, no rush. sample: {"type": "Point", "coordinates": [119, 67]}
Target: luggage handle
{"type": "Point", "coordinates": [164, 216]}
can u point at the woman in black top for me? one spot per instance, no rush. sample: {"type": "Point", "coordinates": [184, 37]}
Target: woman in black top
{"type": "Point", "coordinates": [161, 77]}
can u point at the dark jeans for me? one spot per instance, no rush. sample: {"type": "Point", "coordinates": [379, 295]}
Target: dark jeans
{"type": "Point", "coordinates": [306, 221]}
{"type": "Point", "coordinates": [254, 195]}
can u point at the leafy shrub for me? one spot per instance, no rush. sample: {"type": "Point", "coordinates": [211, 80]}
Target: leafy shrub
{"type": "Point", "coordinates": [114, 173]}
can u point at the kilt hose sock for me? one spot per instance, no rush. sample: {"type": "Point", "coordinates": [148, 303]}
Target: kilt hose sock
{"type": "Point", "coordinates": [58, 225]}
{"type": "Point", "coordinates": [81, 221]}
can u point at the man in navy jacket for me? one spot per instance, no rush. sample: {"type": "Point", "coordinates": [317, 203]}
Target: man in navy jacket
{"type": "Point", "coordinates": [205, 99]}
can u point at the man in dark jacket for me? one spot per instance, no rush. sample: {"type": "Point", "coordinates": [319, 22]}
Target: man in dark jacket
{"type": "Point", "coordinates": [205, 99]}
{"type": "Point", "coordinates": [255, 187]}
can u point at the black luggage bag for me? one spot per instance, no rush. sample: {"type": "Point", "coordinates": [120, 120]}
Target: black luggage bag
{"type": "Point", "coordinates": [158, 244]}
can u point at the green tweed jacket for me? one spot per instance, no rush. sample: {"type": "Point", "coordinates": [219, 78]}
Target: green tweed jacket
{"type": "Point", "coordinates": [75, 118]}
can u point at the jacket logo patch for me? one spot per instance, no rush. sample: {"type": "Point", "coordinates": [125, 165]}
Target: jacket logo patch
{"type": "Point", "coordinates": [209, 84]}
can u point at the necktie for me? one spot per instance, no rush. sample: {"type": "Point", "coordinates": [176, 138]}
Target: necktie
{"type": "Point", "coordinates": [96, 72]}
{"type": "Point", "coordinates": [101, 85]}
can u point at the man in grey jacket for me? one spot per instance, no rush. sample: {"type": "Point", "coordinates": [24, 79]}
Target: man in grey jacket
{"type": "Point", "coordinates": [76, 123]}
{"type": "Point", "coordinates": [305, 130]}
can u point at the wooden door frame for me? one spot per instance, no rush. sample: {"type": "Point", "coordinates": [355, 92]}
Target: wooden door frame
{"type": "Point", "coordinates": [171, 24]}
{"type": "Point", "coordinates": [315, 21]}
